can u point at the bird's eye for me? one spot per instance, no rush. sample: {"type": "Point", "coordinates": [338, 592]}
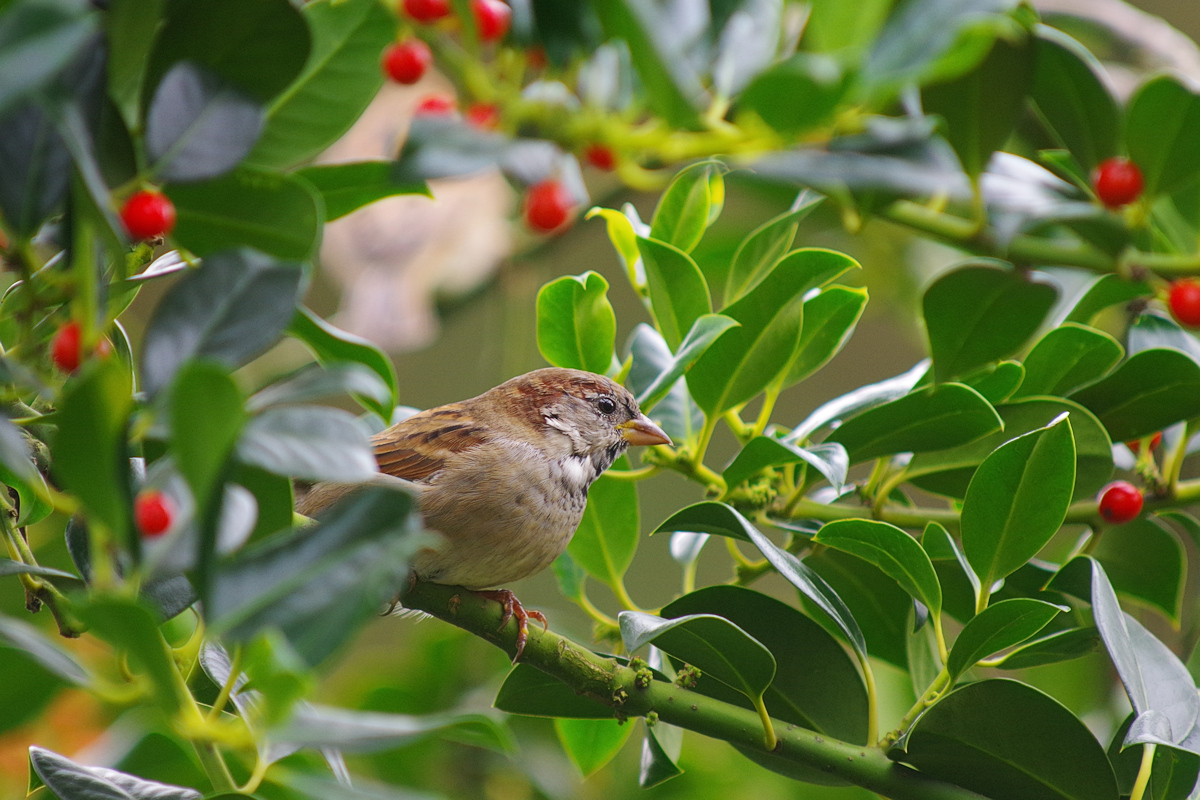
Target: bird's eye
{"type": "Point", "coordinates": [606, 405]}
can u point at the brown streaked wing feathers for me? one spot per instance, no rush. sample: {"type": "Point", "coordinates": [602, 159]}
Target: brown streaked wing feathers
{"type": "Point", "coordinates": [416, 448]}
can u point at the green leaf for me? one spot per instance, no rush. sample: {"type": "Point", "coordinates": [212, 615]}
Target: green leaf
{"type": "Point", "coordinates": [763, 451]}
{"type": "Point", "coordinates": [607, 536]}
{"type": "Point", "coordinates": [314, 443]}
{"type": "Point", "coordinates": [131, 26]}
{"type": "Point", "coordinates": [836, 26]}
{"type": "Point", "coordinates": [231, 309]}
{"type": "Point", "coordinates": [1068, 357]}
{"type": "Point", "coordinates": [1059, 646]}
{"type": "Point", "coordinates": [351, 731]}
{"type": "Point", "coordinates": [332, 345]}
{"type": "Point", "coordinates": [72, 781]}
{"type": "Point", "coordinates": [45, 651]}
{"type": "Point", "coordinates": [1146, 561]}
{"type": "Point", "coordinates": [881, 608]}
{"type": "Point", "coordinates": [348, 187]}
{"type": "Point", "coordinates": [1173, 772]}
{"type": "Point", "coordinates": [829, 319]}
{"type": "Point", "coordinates": [796, 95]}
{"type": "Point", "coordinates": [37, 40]}
{"type": "Point", "coordinates": [26, 688]}
{"type": "Point", "coordinates": [575, 323]}
{"type": "Point", "coordinates": [763, 248]}
{"type": "Point", "coordinates": [10, 567]}
{"type": "Point", "coordinates": [661, 747]}
{"type": "Point", "coordinates": [651, 359]}
{"type": "Point", "coordinates": [1103, 292]}
{"type": "Point", "coordinates": [704, 331]}
{"type": "Point", "coordinates": [683, 211]}
{"type": "Point", "coordinates": [591, 743]}
{"type": "Point", "coordinates": [981, 737]}
{"type": "Point", "coordinates": [133, 628]}
{"type": "Point", "coordinates": [1070, 101]}
{"type": "Point", "coordinates": [858, 400]}
{"type": "Point", "coordinates": [621, 234]}
{"type": "Point", "coordinates": [941, 416]}
{"type": "Point", "coordinates": [1151, 331]}
{"type": "Point", "coordinates": [1151, 391]}
{"type": "Point", "coordinates": [340, 78]}
{"type": "Point", "coordinates": [949, 472]}
{"type": "Point", "coordinates": [997, 383]}
{"type": "Point", "coordinates": [996, 628]}
{"type": "Point", "coordinates": [530, 692]}
{"type": "Point", "coordinates": [1161, 125]}
{"type": "Point", "coordinates": [980, 313]}
{"type": "Point", "coordinates": [317, 382]}
{"type": "Point", "coordinates": [678, 293]}
{"type": "Point", "coordinates": [981, 108]}
{"type": "Point", "coordinates": [319, 584]}
{"type": "Point", "coordinates": [1017, 500]}
{"type": "Point", "coordinates": [278, 214]}
{"type": "Point", "coordinates": [892, 550]}
{"type": "Point", "coordinates": [89, 450]}
{"type": "Point", "coordinates": [19, 472]}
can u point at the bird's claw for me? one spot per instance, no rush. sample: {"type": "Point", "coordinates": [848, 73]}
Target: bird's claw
{"type": "Point", "coordinates": [513, 608]}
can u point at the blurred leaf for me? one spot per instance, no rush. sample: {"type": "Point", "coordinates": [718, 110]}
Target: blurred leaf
{"type": "Point", "coordinates": [591, 743]}
{"type": "Point", "coordinates": [576, 324]}
{"type": "Point", "coordinates": [44, 650]}
{"type": "Point", "coordinates": [368, 731]}
{"type": "Point", "coordinates": [71, 781]}
{"type": "Point", "coordinates": [317, 382]}
{"type": "Point", "coordinates": [231, 309]}
{"type": "Point", "coordinates": [39, 38]}
{"type": "Point", "coordinates": [331, 344]}
{"type": "Point", "coordinates": [1151, 391]}
{"type": "Point", "coordinates": [571, 577]}
{"type": "Point", "coordinates": [997, 383]}
{"type": "Point", "coordinates": [314, 443]}
{"type": "Point", "coordinates": [530, 692]}
{"type": "Point", "coordinates": [829, 319]}
{"type": "Point", "coordinates": [198, 126]}
{"type": "Point", "coordinates": [670, 368]}
{"type": "Point", "coordinates": [941, 416]}
{"type": "Point", "coordinates": [998, 627]}
{"type": "Point", "coordinates": [129, 626]}
{"type": "Point", "coordinates": [278, 214]}
{"type": "Point", "coordinates": [340, 78]}
{"type": "Point", "coordinates": [1151, 331]}
{"type": "Point", "coordinates": [837, 26]}
{"type": "Point", "coordinates": [683, 210]}
{"type": "Point", "coordinates": [10, 567]}
{"type": "Point", "coordinates": [1161, 123]}
{"type": "Point", "coordinates": [1066, 358]}
{"type": "Point", "coordinates": [763, 451]}
{"type": "Point", "coordinates": [1017, 500]}
{"type": "Point", "coordinates": [89, 449]}
{"type": "Point", "coordinates": [19, 472]}
{"type": "Point", "coordinates": [347, 187]}
{"type": "Point", "coordinates": [796, 95]}
{"type": "Point", "coordinates": [982, 737]}
{"type": "Point", "coordinates": [861, 399]}
{"type": "Point", "coordinates": [26, 687]}
{"type": "Point", "coordinates": [318, 584]}
{"type": "Point", "coordinates": [678, 292]}
{"type": "Point", "coordinates": [896, 553]}
{"type": "Point", "coordinates": [446, 147]}
{"type": "Point", "coordinates": [1103, 292]}
{"type": "Point", "coordinates": [1059, 646]}
{"type": "Point", "coordinates": [763, 248]}
{"type": "Point", "coordinates": [980, 313]}
{"type": "Point", "coordinates": [206, 419]}
{"type": "Point", "coordinates": [35, 166]}
{"type": "Point", "coordinates": [607, 536]}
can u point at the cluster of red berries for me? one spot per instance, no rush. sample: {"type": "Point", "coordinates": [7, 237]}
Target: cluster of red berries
{"type": "Point", "coordinates": [153, 512]}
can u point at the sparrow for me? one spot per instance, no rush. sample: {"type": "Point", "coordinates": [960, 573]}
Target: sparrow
{"type": "Point", "coordinates": [503, 477]}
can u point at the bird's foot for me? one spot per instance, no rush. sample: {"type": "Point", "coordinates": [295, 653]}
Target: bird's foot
{"type": "Point", "coordinates": [513, 608]}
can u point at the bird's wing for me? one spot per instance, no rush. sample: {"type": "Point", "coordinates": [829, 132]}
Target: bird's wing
{"type": "Point", "coordinates": [420, 445]}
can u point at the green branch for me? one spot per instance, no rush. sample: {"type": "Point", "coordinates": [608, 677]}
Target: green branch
{"type": "Point", "coordinates": [605, 680]}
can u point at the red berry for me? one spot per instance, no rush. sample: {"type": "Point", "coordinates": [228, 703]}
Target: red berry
{"type": "Point", "coordinates": [492, 18]}
{"type": "Point", "coordinates": [148, 215]}
{"type": "Point", "coordinates": [1120, 501]}
{"type": "Point", "coordinates": [435, 105]}
{"type": "Point", "coordinates": [547, 206]}
{"type": "Point", "coordinates": [1117, 181]}
{"type": "Point", "coordinates": [153, 512]}
{"type": "Point", "coordinates": [483, 115]}
{"type": "Point", "coordinates": [600, 156]}
{"type": "Point", "coordinates": [65, 349]}
{"type": "Point", "coordinates": [1136, 444]}
{"type": "Point", "coordinates": [405, 62]}
{"type": "Point", "coordinates": [426, 10]}
{"type": "Point", "coordinates": [1184, 300]}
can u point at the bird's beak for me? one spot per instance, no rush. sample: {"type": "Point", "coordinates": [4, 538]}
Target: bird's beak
{"type": "Point", "coordinates": [641, 431]}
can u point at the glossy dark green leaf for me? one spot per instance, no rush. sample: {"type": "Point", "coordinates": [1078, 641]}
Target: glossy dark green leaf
{"type": "Point", "coordinates": [724, 520]}
{"type": "Point", "coordinates": [983, 737]}
{"type": "Point", "coordinates": [199, 126]}
{"type": "Point", "coordinates": [981, 108]}
{"type": "Point", "coordinates": [1150, 331]}
{"type": "Point", "coordinates": [368, 731]}
{"type": "Point", "coordinates": [1146, 561]}
{"type": "Point", "coordinates": [980, 313]}
{"type": "Point", "coordinates": [44, 650]}
{"type": "Point", "coordinates": [816, 683]}
{"type": "Point", "coordinates": [673, 407]}
{"type": "Point", "coordinates": [1173, 772]}
{"type": "Point", "coordinates": [1059, 646]}
{"type": "Point", "coordinates": [37, 40]}
{"type": "Point", "coordinates": [1103, 292]}
{"type": "Point", "coordinates": [71, 781]}
{"type": "Point", "coordinates": [89, 450]}
{"type": "Point", "coordinates": [317, 382]}
{"type": "Point", "coordinates": [829, 319]}
{"type": "Point", "coordinates": [1070, 101]}
{"type": "Point", "coordinates": [130, 626]}
{"type": "Point", "coordinates": [277, 214]}
{"type": "Point", "coordinates": [660, 753]}
{"type": "Point", "coordinates": [319, 584]}
{"type": "Point", "coordinates": [762, 249]}
{"type": "Point", "coordinates": [896, 553]}
{"type": "Point", "coordinates": [718, 647]}
{"type": "Point", "coordinates": [949, 472]}
{"type": "Point", "coordinates": [998, 627]}
{"type": "Point", "coordinates": [1161, 124]}
{"type": "Point", "coordinates": [530, 692]}
{"type": "Point", "coordinates": [879, 606]}
{"type": "Point", "coordinates": [607, 536]}
{"type": "Point", "coordinates": [678, 293]}
{"type": "Point", "coordinates": [997, 383]}
{"type": "Point", "coordinates": [1068, 357]}
{"type": "Point", "coordinates": [591, 743]}
{"type": "Point", "coordinates": [332, 345]}
{"type": "Point", "coordinates": [231, 309]}
{"type": "Point", "coordinates": [861, 399]}
{"type": "Point", "coordinates": [309, 442]}
{"type": "Point", "coordinates": [575, 323]}
{"type": "Point", "coordinates": [763, 451]}
{"type": "Point", "coordinates": [704, 331]}
{"type": "Point", "coordinates": [683, 211]}
{"type": "Point", "coordinates": [259, 47]}
{"type": "Point", "coordinates": [348, 187]}
{"type": "Point", "coordinates": [796, 95]}
{"type": "Point", "coordinates": [946, 415]}
{"type": "Point", "coordinates": [1017, 500]}
{"type": "Point", "coordinates": [1151, 391]}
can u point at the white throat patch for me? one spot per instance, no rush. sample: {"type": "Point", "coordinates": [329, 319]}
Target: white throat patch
{"type": "Point", "coordinates": [578, 472]}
